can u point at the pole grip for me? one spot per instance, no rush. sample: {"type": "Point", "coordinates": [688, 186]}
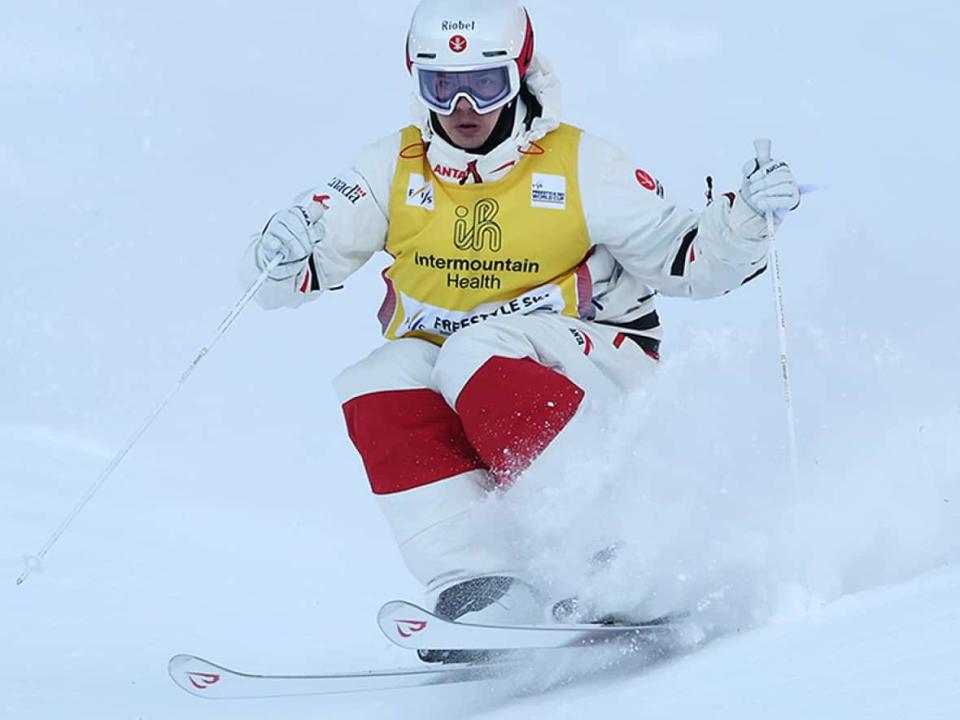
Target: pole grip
{"type": "Point", "coordinates": [763, 147]}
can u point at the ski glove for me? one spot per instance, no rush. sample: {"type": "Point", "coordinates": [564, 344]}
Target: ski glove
{"type": "Point", "coordinates": [770, 187]}
{"type": "Point", "coordinates": [292, 234]}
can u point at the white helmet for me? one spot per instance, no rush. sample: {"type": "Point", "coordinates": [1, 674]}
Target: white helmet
{"type": "Point", "coordinates": [476, 49]}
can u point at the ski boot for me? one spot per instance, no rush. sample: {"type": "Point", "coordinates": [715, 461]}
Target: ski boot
{"type": "Point", "coordinates": [491, 599]}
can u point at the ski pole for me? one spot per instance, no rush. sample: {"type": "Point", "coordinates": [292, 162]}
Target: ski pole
{"type": "Point", "coordinates": [763, 149]}
{"type": "Point", "coordinates": [34, 561]}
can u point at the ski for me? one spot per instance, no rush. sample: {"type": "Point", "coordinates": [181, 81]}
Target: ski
{"type": "Point", "coordinates": [414, 628]}
{"type": "Point", "coordinates": [205, 679]}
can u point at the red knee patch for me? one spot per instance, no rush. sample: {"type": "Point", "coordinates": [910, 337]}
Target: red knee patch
{"type": "Point", "coordinates": [512, 409]}
{"type": "Point", "coordinates": [407, 439]}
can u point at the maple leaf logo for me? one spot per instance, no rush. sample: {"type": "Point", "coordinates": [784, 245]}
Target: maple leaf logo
{"type": "Point", "coordinates": [458, 43]}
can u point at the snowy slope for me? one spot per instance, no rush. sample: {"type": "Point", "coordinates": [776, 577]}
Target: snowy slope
{"type": "Point", "coordinates": [886, 654]}
{"type": "Point", "coordinates": [140, 145]}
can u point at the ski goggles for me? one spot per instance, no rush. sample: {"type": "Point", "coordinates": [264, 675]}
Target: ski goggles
{"type": "Point", "coordinates": [486, 88]}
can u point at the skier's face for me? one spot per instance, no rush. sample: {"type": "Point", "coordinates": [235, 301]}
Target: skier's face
{"type": "Point", "coordinates": [467, 128]}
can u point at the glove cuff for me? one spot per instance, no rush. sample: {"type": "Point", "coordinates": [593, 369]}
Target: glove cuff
{"type": "Point", "coordinates": [745, 220]}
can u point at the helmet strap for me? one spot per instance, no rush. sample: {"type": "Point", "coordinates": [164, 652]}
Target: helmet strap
{"type": "Point", "coordinates": [533, 105]}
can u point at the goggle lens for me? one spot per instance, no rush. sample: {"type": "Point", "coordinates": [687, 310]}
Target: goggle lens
{"type": "Point", "coordinates": [486, 87]}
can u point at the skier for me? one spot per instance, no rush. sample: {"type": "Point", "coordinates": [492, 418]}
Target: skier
{"type": "Point", "coordinates": [526, 258]}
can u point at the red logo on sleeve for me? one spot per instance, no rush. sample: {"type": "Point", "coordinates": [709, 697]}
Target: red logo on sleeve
{"type": "Point", "coordinates": [646, 180]}
{"type": "Point", "coordinates": [458, 43]}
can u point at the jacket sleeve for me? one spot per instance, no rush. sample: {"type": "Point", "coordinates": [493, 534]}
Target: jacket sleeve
{"type": "Point", "coordinates": [673, 250]}
{"type": "Point", "coordinates": [356, 220]}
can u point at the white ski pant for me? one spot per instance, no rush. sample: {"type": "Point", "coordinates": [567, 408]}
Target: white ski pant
{"type": "Point", "coordinates": [439, 427]}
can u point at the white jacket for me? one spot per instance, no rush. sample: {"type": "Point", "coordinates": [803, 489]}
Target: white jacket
{"type": "Point", "coordinates": [644, 243]}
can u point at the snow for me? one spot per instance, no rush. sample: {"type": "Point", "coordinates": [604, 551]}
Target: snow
{"type": "Point", "coordinates": [142, 145]}
{"type": "Point", "coordinates": [888, 653]}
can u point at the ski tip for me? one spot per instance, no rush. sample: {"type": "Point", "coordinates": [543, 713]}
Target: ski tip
{"type": "Point", "coordinates": [402, 604]}
{"type": "Point", "coordinates": [391, 606]}
{"type": "Point", "coordinates": [397, 608]}
{"type": "Point", "coordinates": [399, 621]}
{"type": "Point", "coordinates": [178, 661]}
{"type": "Point", "coordinates": [194, 675]}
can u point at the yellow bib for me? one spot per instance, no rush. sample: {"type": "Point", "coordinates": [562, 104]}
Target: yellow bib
{"type": "Point", "coordinates": [466, 253]}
